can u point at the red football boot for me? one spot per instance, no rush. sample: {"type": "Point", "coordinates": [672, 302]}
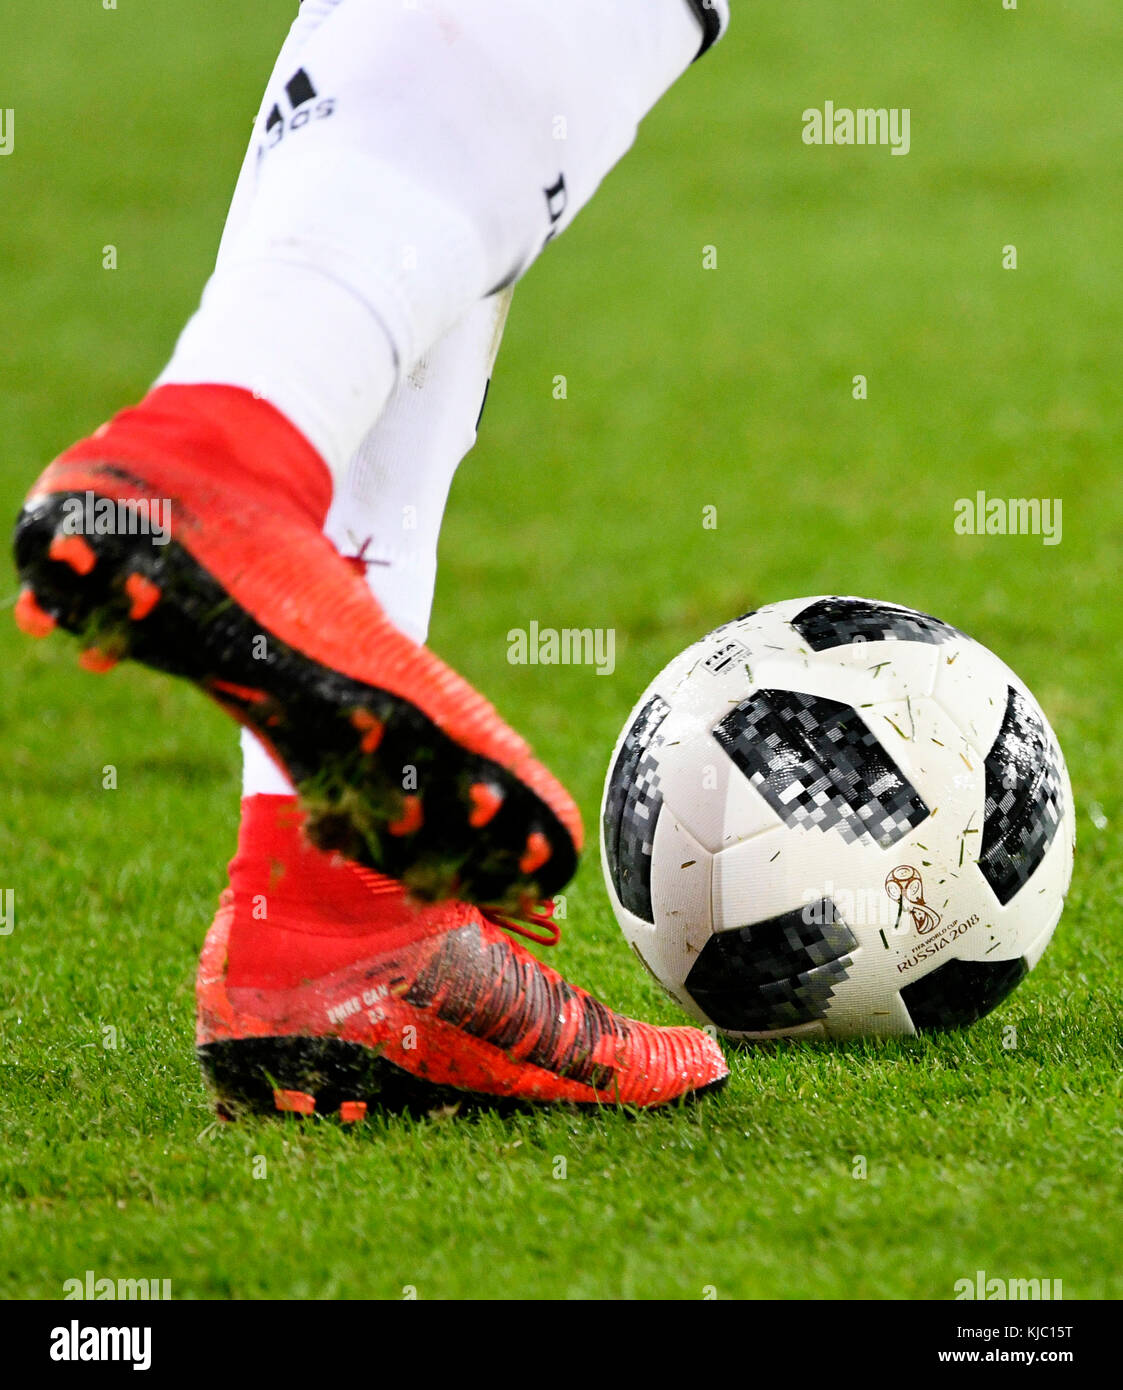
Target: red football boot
{"type": "Point", "coordinates": [322, 988]}
{"type": "Point", "coordinates": [186, 534]}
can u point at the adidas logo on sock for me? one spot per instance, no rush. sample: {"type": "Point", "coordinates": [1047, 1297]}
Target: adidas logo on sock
{"type": "Point", "coordinates": [302, 97]}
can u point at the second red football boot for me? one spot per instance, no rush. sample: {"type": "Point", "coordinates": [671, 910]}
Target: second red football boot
{"type": "Point", "coordinates": [322, 988]}
{"type": "Point", "coordinates": [187, 534]}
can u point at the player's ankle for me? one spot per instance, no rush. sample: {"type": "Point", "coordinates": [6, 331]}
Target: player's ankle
{"type": "Point", "coordinates": [278, 877]}
{"type": "Point", "coordinates": [299, 913]}
{"type": "Point", "coordinates": [195, 434]}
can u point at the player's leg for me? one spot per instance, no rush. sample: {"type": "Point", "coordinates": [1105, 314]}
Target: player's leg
{"type": "Point", "coordinates": [414, 160]}
{"type": "Point", "coordinates": [310, 16]}
{"type": "Point", "coordinates": [388, 510]}
{"type": "Point", "coordinates": [440, 176]}
{"type": "Point", "coordinates": [387, 514]}
{"type": "Point", "coordinates": [300, 932]}
{"type": "Point", "coordinates": [301, 935]}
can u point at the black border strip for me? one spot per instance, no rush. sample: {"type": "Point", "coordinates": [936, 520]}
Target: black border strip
{"type": "Point", "coordinates": [710, 19]}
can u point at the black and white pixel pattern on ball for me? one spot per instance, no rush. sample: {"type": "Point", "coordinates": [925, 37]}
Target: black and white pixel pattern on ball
{"type": "Point", "coordinates": [819, 766]}
{"type": "Point", "coordinates": [1023, 798]}
{"type": "Point", "coordinates": [960, 992]}
{"type": "Point", "coordinates": [631, 810]}
{"type": "Point", "coordinates": [834, 622]}
{"type": "Point", "coordinates": [774, 974]}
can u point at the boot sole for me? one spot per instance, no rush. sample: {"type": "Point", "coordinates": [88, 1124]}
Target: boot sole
{"type": "Point", "coordinates": [323, 1076]}
{"type": "Point", "coordinates": [381, 783]}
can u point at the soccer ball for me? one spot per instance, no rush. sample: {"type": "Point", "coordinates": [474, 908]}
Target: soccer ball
{"type": "Point", "coordinates": [837, 817]}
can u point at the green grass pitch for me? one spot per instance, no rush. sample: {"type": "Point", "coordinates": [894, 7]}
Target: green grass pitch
{"type": "Point", "coordinates": [686, 388]}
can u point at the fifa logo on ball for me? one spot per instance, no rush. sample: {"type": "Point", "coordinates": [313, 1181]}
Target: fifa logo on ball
{"type": "Point", "coordinates": [905, 886]}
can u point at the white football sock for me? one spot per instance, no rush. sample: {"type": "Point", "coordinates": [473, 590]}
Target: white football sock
{"type": "Point", "coordinates": [392, 501]}
{"type": "Point", "coordinates": [414, 160]}
{"type": "Point", "coordinates": [405, 163]}
{"type": "Point", "coordinates": [252, 321]}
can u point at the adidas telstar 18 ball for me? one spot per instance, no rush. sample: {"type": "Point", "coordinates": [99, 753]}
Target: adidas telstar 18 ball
{"type": "Point", "coordinates": [835, 817]}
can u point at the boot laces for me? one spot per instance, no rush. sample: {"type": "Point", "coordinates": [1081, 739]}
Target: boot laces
{"type": "Point", "coordinates": [530, 915]}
